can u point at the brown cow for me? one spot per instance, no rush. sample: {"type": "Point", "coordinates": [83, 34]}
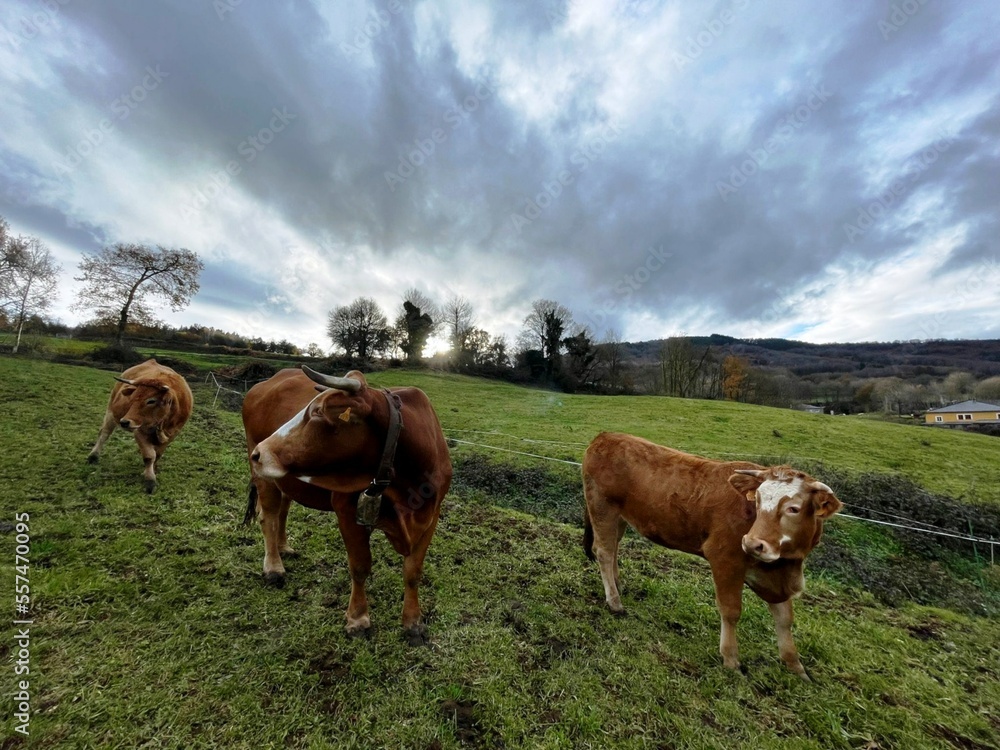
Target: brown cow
{"type": "Point", "coordinates": [153, 403]}
{"type": "Point", "coordinates": [753, 524]}
{"type": "Point", "coordinates": [323, 450]}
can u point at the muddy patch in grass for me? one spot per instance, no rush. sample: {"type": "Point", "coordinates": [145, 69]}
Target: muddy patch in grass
{"type": "Point", "coordinates": [462, 714]}
{"type": "Point", "coordinates": [331, 668]}
{"type": "Point", "coordinates": [960, 741]}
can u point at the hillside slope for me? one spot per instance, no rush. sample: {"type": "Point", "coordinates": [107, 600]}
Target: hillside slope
{"type": "Point", "coordinates": [152, 627]}
{"type": "Point", "coordinates": [959, 464]}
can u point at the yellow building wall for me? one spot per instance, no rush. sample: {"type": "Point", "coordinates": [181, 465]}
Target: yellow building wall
{"type": "Point", "coordinates": [952, 418]}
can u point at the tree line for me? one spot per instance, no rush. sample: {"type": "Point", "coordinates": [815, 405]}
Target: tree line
{"type": "Point", "coordinates": [550, 348]}
{"type": "Point", "coordinates": [121, 282]}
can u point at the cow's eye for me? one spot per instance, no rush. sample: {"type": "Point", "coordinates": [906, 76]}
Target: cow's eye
{"type": "Point", "coordinates": [792, 510]}
{"type": "Point", "coordinates": [150, 401]}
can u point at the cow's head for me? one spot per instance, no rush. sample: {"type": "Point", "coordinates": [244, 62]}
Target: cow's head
{"type": "Point", "coordinates": [791, 507]}
{"type": "Point", "coordinates": [324, 438]}
{"type": "Point", "coordinates": [149, 404]}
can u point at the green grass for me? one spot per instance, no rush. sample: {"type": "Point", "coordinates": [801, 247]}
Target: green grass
{"type": "Point", "coordinates": [962, 465]}
{"type": "Point", "coordinates": [153, 629]}
{"type": "Point", "coordinates": [958, 464]}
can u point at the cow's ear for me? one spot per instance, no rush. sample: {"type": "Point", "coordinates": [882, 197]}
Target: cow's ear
{"type": "Point", "coordinates": [339, 409]}
{"type": "Point", "coordinates": [746, 481]}
{"type": "Point", "coordinates": [824, 501]}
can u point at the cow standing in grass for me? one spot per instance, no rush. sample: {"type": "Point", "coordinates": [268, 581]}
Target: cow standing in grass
{"type": "Point", "coordinates": [347, 445]}
{"type": "Point", "coordinates": [153, 403]}
{"type": "Point", "coordinates": [754, 524]}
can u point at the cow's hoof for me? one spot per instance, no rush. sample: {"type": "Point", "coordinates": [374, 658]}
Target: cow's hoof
{"type": "Point", "coordinates": [92, 458]}
{"type": "Point", "coordinates": [357, 631]}
{"type": "Point", "coordinates": [289, 553]}
{"type": "Point", "coordinates": [275, 579]}
{"type": "Point", "coordinates": [150, 486]}
{"type": "Point", "coordinates": [416, 635]}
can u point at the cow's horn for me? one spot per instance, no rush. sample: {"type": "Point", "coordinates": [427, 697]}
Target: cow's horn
{"type": "Point", "coordinates": [751, 472]}
{"type": "Point", "coordinates": [344, 384]}
{"type": "Point", "coordinates": [821, 486]}
{"type": "Point", "coordinates": [123, 380]}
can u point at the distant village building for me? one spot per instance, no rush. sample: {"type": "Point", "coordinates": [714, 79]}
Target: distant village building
{"type": "Point", "coordinates": [810, 408]}
{"type": "Point", "coordinates": [964, 413]}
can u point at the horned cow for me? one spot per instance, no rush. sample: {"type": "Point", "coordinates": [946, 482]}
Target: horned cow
{"type": "Point", "coordinates": [377, 458]}
{"type": "Point", "coordinates": [754, 525]}
{"type": "Point", "coordinates": [152, 402]}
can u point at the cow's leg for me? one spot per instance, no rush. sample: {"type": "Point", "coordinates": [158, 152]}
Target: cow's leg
{"type": "Point", "coordinates": [622, 528]}
{"type": "Point", "coordinates": [283, 547]}
{"type": "Point", "coordinates": [606, 523]}
{"type": "Point", "coordinates": [149, 457]}
{"type": "Point", "coordinates": [729, 598]}
{"type": "Point", "coordinates": [357, 540]}
{"type": "Point", "coordinates": [272, 509]}
{"type": "Point", "coordinates": [107, 427]}
{"type": "Point", "coordinates": [413, 569]}
{"type": "Point", "coordinates": [783, 618]}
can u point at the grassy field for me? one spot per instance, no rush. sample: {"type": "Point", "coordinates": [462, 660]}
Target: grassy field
{"type": "Point", "coordinates": [152, 627]}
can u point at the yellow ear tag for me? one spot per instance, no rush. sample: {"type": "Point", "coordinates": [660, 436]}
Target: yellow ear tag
{"type": "Point", "coordinates": [346, 416]}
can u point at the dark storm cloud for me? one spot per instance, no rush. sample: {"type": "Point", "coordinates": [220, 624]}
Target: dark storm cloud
{"type": "Point", "coordinates": [737, 155]}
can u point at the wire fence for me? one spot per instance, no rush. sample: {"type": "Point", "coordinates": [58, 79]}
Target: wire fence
{"type": "Point", "coordinates": [219, 387]}
{"type": "Point", "coordinates": [910, 524]}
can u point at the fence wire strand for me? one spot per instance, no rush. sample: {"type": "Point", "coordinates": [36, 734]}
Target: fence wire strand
{"type": "Point", "coordinates": [929, 528]}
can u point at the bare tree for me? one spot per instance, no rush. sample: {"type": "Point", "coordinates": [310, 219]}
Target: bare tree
{"type": "Point", "coordinates": [29, 281]}
{"type": "Point", "coordinates": [11, 250]}
{"type": "Point", "coordinates": [459, 320]}
{"type": "Point", "coordinates": [888, 393]}
{"type": "Point", "coordinates": [120, 280]}
{"type": "Point", "coordinates": [681, 366]}
{"type": "Point", "coordinates": [360, 328]}
{"type": "Point", "coordinates": [958, 385]}
{"type": "Point", "coordinates": [989, 390]}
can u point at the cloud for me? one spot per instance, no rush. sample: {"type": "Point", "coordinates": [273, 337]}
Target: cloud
{"type": "Point", "coordinates": [506, 151]}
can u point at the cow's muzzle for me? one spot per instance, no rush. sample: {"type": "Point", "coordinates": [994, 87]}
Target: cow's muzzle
{"type": "Point", "coordinates": [128, 424]}
{"type": "Point", "coordinates": [759, 549]}
{"type": "Point", "coordinates": [265, 465]}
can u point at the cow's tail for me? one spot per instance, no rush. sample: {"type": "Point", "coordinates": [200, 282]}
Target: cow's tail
{"type": "Point", "coordinates": [588, 527]}
{"type": "Point", "coordinates": [251, 513]}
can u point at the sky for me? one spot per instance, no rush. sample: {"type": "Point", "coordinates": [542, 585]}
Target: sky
{"type": "Point", "coordinates": [821, 171]}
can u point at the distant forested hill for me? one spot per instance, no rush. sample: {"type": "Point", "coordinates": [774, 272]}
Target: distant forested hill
{"type": "Point", "coordinates": [908, 360]}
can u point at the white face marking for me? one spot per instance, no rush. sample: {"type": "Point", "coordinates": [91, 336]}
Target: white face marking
{"type": "Point", "coordinates": [772, 491]}
{"type": "Point", "coordinates": [290, 424]}
{"type": "Point", "coordinates": [784, 538]}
